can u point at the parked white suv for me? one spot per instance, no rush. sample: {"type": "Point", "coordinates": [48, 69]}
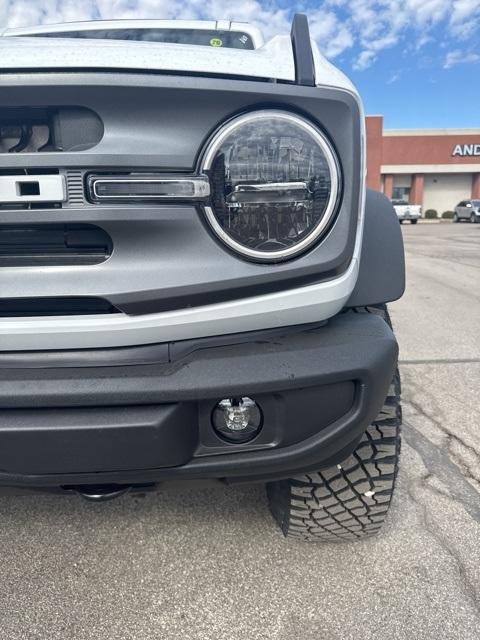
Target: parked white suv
{"type": "Point", "coordinates": [467, 210]}
{"type": "Point", "coordinates": [407, 211]}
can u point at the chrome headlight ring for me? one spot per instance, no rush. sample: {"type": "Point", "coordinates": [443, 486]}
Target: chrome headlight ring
{"type": "Point", "coordinates": [246, 187]}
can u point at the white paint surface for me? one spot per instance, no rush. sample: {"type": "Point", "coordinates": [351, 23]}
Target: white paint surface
{"type": "Point", "coordinates": [444, 191]}
{"type": "Point", "coordinates": [273, 60]}
{"type": "Point", "coordinates": [295, 306]}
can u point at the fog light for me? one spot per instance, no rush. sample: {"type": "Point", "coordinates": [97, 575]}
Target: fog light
{"type": "Point", "coordinates": [237, 419]}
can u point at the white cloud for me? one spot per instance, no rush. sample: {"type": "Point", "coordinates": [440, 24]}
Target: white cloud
{"type": "Point", "coordinates": [465, 18]}
{"type": "Point", "coordinates": [332, 35]}
{"type": "Point", "coordinates": [427, 12]}
{"type": "Point", "coordinates": [463, 10]}
{"type": "Point", "coordinates": [381, 24]}
{"type": "Point", "coordinates": [459, 57]}
{"type": "Point", "coordinates": [371, 26]}
{"type": "Point", "coordinates": [393, 78]}
{"type": "Point", "coordinates": [364, 60]}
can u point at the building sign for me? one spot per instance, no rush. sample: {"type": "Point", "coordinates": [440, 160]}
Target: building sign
{"type": "Point", "coordinates": [466, 150]}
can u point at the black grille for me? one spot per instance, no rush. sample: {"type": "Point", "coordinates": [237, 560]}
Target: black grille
{"type": "Point", "coordinates": [53, 245]}
{"type": "Point", "coordinates": [32, 129]}
{"type": "Point", "coordinates": [65, 306]}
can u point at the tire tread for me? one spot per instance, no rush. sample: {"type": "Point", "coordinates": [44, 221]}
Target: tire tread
{"type": "Point", "coordinates": [334, 504]}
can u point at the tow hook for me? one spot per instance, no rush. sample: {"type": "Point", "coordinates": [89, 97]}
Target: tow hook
{"type": "Point", "coordinates": [101, 492]}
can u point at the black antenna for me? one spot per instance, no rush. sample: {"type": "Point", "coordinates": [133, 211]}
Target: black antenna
{"type": "Point", "coordinates": [302, 51]}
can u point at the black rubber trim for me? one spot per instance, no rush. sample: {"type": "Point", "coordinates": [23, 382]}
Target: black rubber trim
{"type": "Point", "coordinates": [187, 300]}
{"type": "Point", "coordinates": [149, 72]}
{"type": "Point", "coordinates": [61, 306]}
{"type": "Point", "coordinates": [160, 353]}
{"type": "Point", "coordinates": [302, 51]}
{"type": "Point", "coordinates": [353, 347]}
{"type": "Point", "coordinates": [381, 276]}
{"type": "Point", "coordinates": [110, 357]}
{"type": "Point", "coordinates": [346, 348]}
{"type": "Point", "coordinates": [96, 439]}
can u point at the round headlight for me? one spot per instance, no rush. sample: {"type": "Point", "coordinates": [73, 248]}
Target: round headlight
{"type": "Point", "coordinates": [274, 184]}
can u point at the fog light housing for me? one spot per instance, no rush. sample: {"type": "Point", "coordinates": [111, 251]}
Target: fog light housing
{"type": "Point", "coordinates": [237, 420]}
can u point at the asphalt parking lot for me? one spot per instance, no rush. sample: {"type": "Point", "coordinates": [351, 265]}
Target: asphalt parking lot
{"type": "Point", "coordinates": [210, 563]}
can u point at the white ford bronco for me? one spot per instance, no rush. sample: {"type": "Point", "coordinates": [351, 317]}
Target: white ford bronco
{"type": "Point", "coordinates": [193, 276]}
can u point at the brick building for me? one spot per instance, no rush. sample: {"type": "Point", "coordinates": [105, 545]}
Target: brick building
{"type": "Point", "coordinates": [435, 168]}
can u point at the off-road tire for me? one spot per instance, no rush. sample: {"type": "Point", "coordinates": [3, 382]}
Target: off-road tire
{"type": "Point", "coordinates": [349, 501]}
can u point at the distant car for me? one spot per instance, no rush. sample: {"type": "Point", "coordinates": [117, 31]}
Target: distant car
{"type": "Point", "coordinates": [406, 211]}
{"type": "Point", "coordinates": [467, 210]}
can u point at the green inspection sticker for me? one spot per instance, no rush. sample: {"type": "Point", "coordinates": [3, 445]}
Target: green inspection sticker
{"type": "Point", "coordinates": [216, 42]}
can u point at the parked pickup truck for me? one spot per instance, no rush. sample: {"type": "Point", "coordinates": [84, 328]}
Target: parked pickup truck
{"type": "Point", "coordinates": [193, 275]}
{"type": "Point", "coordinates": [405, 211]}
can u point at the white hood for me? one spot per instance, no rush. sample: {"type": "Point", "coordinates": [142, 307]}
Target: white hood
{"type": "Point", "coordinates": [274, 60]}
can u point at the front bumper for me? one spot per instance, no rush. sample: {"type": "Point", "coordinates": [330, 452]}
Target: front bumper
{"type": "Point", "coordinates": [409, 216]}
{"type": "Point", "coordinates": [78, 424]}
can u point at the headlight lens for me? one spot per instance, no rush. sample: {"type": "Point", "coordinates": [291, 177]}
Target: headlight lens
{"type": "Point", "coordinates": [274, 182]}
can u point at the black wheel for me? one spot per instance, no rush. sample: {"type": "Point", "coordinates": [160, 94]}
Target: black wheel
{"type": "Point", "coordinates": [455, 217]}
{"type": "Point", "coordinates": [349, 501]}
{"type": "Point", "coordinates": [414, 221]}
{"type": "Point", "coordinates": [400, 220]}
{"type": "Point", "coordinates": [473, 218]}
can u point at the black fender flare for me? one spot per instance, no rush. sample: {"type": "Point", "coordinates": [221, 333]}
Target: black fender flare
{"type": "Point", "coordinates": [381, 276]}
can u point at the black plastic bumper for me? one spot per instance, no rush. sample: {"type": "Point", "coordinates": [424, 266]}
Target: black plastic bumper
{"type": "Point", "coordinates": [318, 389]}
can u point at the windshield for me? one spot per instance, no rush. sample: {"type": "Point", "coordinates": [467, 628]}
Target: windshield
{"type": "Point", "coordinates": [205, 37]}
{"type": "Point", "coordinates": [476, 203]}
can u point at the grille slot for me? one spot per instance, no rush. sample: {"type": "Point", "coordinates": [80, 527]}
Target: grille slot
{"type": "Point", "coordinates": [34, 129]}
{"type": "Point", "coordinates": [62, 306]}
{"type": "Point", "coordinates": [53, 245]}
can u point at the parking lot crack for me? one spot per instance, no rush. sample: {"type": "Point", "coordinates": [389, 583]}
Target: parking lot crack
{"type": "Point", "coordinates": [438, 463]}
{"type": "Point", "coordinates": [432, 529]}
{"type": "Point", "coordinates": [451, 438]}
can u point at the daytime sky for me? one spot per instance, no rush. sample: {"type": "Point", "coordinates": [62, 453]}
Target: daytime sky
{"type": "Point", "coordinates": [414, 61]}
